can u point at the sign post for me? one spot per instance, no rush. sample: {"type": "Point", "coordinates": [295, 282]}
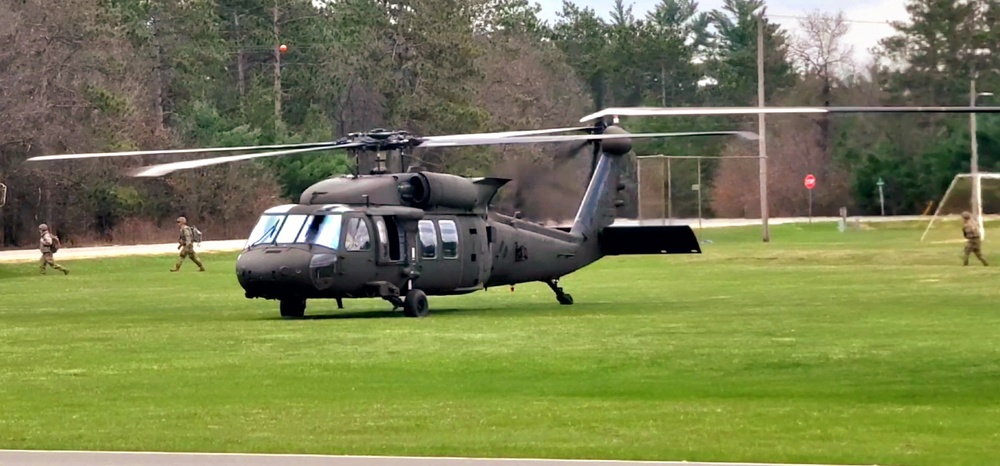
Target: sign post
{"type": "Point", "coordinates": [881, 196]}
{"type": "Point", "coordinates": [810, 183]}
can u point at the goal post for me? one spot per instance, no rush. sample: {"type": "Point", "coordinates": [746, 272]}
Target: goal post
{"type": "Point", "coordinates": [959, 197]}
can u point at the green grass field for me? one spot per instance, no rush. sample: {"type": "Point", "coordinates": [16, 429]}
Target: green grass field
{"type": "Point", "coordinates": [863, 347]}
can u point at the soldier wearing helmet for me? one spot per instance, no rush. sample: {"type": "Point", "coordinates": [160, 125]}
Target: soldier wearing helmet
{"type": "Point", "coordinates": [973, 244]}
{"type": "Point", "coordinates": [186, 246]}
{"type": "Point", "coordinates": [45, 244]}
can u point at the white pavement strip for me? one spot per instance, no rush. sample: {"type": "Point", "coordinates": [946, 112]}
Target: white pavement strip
{"type": "Point", "coordinates": [64, 254]}
{"type": "Point", "coordinates": [31, 255]}
{"type": "Point", "coordinates": [118, 458]}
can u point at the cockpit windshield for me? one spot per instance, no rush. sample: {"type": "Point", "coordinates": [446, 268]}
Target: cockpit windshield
{"type": "Point", "coordinates": [322, 230]}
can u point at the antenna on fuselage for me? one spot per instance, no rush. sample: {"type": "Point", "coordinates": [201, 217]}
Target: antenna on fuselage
{"type": "Point", "coordinates": [380, 167]}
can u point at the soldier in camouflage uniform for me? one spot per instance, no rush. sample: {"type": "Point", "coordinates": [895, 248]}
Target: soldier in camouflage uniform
{"type": "Point", "coordinates": [186, 246]}
{"type": "Point", "coordinates": [45, 245]}
{"type": "Point", "coordinates": [973, 243]}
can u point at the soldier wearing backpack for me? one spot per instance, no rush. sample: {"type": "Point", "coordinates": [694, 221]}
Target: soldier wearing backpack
{"type": "Point", "coordinates": [189, 236]}
{"type": "Point", "coordinates": [48, 244]}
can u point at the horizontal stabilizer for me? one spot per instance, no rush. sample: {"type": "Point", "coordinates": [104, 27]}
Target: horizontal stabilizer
{"type": "Point", "coordinates": [652, 239]}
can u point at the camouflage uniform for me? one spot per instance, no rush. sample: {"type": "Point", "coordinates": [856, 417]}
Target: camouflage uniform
{"type": "Point", "coordinates": [45, 245]}
{"type": "Point", "coordinates": [186, 246]}
{"type": "Point", "coordinates": [973, 243]}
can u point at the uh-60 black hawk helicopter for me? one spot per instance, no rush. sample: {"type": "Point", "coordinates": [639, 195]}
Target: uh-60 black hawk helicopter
{"type": "Point", "coordinates": [402, 235]}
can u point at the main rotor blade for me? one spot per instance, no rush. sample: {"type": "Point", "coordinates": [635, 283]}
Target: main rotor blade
{"type": "Point", "coordinates": [165, 168]}
{"type": "Point", "coordinates": [289, 146]}
{"type": "Point", "coordinates": [696, 111]}
{"type": "Point", "coordinates": [580, 137]}
{"type": "Point", "coordinates": [175, 151]}
{"type": "Point", "coordinates": [462, 137]}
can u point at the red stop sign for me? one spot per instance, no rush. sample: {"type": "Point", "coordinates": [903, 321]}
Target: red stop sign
{"type": "Point", "coordinates": [810, 181]}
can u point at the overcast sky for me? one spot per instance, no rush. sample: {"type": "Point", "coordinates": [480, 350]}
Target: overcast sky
{"type": "Point", "coordinates": [862, 36]}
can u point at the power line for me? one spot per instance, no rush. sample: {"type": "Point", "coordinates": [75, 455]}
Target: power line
{"type": "Point", "coordinates": [886, 22]}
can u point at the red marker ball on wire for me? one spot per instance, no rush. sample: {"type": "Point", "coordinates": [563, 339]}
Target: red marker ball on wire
{"type": "Point", "coordinates": [282, 48]}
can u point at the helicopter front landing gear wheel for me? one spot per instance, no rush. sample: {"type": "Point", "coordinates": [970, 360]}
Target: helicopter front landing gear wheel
{"type": "Point", "coordinates": [293, 308]}
{"type": "Point", "coordinates": [564, 298]}
{"type": "Point", "coordinates": [416, 304]}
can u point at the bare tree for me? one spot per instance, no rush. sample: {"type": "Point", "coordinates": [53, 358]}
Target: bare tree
{"type": "Point", "coordinates": [802, 144]}
{"type": "Point", "coordinates": [526, 84]}
{"type": "Point", "coordinates": [820, 49]}
{"type": "Point", "coordinates": [68, 82]}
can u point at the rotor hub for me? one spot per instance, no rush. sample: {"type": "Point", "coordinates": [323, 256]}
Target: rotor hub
{"type": "Point", "coordinates": [619, 146]}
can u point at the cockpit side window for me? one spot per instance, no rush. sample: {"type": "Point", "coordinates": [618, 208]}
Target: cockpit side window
{"type": "Point", "coordinates": [357, 237]}
{"type": "Point", "coordinates": [428, 239]}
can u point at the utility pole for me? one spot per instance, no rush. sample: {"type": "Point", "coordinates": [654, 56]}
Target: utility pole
{"type": "Point", "coordinates": [977, 188]}
{"type": "Point", "coordinates": [974, 163]}
{"type": "Point", "coordinates": [240, 62]}
{"type": "Point", "coordinates": [160, 81]}
{"type": "Point", "coordinates": [762, 147]}
{"type": "Point", "coordinates": [277, 72]}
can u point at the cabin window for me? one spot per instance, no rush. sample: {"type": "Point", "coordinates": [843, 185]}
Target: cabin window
{"type": "Point", "coordinates": [428, 239]}
{"type": "Point", "coordinates": [357, 238]}
{"type": "Point", "coordinates": [449, 239]}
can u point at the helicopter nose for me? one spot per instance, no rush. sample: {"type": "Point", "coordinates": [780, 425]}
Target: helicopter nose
{"type": "Point", "coordinates": [275, 272]}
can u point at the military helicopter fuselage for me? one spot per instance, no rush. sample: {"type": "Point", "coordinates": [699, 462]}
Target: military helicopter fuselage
{"type": "Point", "coordinates": [404, 236]}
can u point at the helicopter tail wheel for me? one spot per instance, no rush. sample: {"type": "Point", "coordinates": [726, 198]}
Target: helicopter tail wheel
{"type": "Point", "coordinates": [563, 297]}
{"type": "Point", "coordinates": [293, 308]}
{"type": "Point", "coordinates": [416, 304]}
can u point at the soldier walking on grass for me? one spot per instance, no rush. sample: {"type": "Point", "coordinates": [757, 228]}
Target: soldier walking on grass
{"type": "Point", "coordinates": [48, 244]}
{"type": "Point", "coordinates": [973, 243]}
{"type": "Point", "coordinates": [186, 246]}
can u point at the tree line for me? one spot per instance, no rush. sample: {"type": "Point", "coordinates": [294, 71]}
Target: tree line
{"type": "Point", "coordinates": [100, 75]}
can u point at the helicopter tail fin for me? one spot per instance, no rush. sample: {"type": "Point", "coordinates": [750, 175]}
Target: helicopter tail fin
{"type": "Point", "coordinates": [618, 240]}
{"type": "Point", "coordinates": [597, 210]}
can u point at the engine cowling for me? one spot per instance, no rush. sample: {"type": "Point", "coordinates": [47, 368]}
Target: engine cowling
{"type": "Point", "coordinates": [437, 189]}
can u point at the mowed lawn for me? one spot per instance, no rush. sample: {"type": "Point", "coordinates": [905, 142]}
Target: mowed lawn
{"type": "Point", "coordinates": [823, 347]}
